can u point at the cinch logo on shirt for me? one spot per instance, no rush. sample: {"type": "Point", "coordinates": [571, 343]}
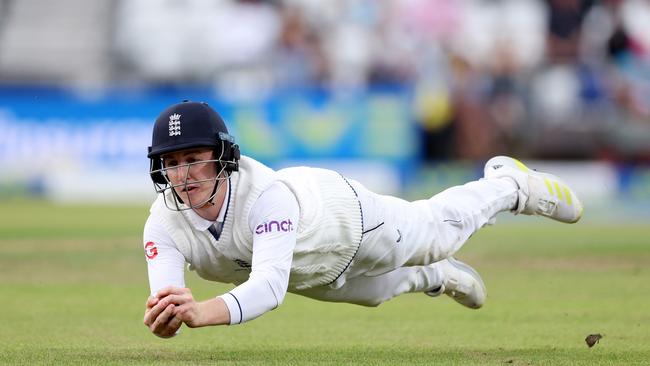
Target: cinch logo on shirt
{"type": "Point", "coordinates": [268, 227]}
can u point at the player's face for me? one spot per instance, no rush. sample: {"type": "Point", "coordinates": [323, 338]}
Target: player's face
{"type": "Point", "coordinates": [192, 173]}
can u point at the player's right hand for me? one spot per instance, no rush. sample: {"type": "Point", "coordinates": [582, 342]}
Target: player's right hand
{"type": "Point", "coordinates": [160, 319]}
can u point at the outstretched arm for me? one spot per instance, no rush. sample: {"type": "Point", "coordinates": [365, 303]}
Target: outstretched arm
{"type": "Point", "coordinates": [165, 265]}
{"type": "Point", "coordinates": [273, 221]}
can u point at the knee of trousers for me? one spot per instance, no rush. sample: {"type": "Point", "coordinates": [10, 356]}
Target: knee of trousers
{"type": "Point", "coordinates": [452, 232]}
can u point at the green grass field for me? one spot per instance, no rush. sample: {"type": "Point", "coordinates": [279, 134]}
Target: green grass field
{"type": "Point", "coordinates": [73, 284]}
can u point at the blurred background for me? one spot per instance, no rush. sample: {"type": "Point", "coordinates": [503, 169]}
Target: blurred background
{"type": "Point", "coordinates": [407, 96]}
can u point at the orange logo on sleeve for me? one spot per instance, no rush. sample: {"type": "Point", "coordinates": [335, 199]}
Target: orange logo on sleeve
{"type": "Point", "coordinates": [150, 250]}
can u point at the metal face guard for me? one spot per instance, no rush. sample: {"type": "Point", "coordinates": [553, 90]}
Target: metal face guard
{"type": "Point", "coordinates": [178, 204]}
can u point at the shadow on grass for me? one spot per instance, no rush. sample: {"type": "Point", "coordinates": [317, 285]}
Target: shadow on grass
{"type": "Point", "coordinates": [361, 355]}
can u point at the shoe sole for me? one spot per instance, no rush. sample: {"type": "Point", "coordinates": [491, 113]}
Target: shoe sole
{"type": "Point", "coordinates": [464, 267]}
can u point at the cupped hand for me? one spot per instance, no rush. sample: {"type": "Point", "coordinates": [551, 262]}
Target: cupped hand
{"type": "Point", "coordinates": [185, 307]}
{"type": "Point", "coordinates": [160, 319]}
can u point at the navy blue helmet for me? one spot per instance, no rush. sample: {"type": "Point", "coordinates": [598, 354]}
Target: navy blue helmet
{"type": "Point", "coordinates": [189, 125]}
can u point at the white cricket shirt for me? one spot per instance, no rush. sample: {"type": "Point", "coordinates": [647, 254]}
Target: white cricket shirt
{"type": "Point", "coordinates": [267, 284]}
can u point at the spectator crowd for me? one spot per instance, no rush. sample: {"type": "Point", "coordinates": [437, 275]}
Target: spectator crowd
{"type": "Point", "coordinates": [546, 79]}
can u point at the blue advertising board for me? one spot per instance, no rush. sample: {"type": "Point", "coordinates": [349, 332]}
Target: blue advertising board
{"type": "Point", "coordinates": [114, 128]}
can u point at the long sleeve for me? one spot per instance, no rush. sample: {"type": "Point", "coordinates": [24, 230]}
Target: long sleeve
{"type": "Point", "coordinates": [165, 263]}
{"type": "Point", "coordinates": [273, 221]}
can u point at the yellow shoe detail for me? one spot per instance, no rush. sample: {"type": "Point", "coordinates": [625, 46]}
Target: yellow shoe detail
{"type": "Point", "coordinates": [539, 193]}
{"type": "Point", "coordinates": [567, 194]}
{"type": "Point", "coordinates": [521, 165]}
{"type": "Point", "coordinates": [548, 185]}
{"type": "Point", "coordinates": [559, 191]}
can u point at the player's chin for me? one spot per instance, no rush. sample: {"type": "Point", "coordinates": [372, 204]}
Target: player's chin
{"type": "Point", "coordinates": [196, 198]}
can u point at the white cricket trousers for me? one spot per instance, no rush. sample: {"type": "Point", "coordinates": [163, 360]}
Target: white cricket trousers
{"type": "Point", "coordinates": [403, 241]}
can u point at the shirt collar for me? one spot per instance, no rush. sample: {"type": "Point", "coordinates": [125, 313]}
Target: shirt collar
{"type": "Point", "coordinates": [202, 224]}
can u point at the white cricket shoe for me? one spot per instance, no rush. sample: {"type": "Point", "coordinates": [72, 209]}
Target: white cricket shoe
{"type": "Point", "coordinates": [539, 193]}
{"type": "Point", "coordinates": [461, 282]}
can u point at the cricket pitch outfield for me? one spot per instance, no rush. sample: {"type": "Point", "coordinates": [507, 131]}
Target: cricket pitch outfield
{"type": "Point", "coordinates": [73, 282]}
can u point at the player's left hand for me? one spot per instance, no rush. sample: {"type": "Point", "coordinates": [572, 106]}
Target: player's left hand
{"type": "Point", "coordinates": [186, 309]}
{"type": "Point", "coordinates": [160, 319]}
{"type": "Point", "coordinates": [194, 314]}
